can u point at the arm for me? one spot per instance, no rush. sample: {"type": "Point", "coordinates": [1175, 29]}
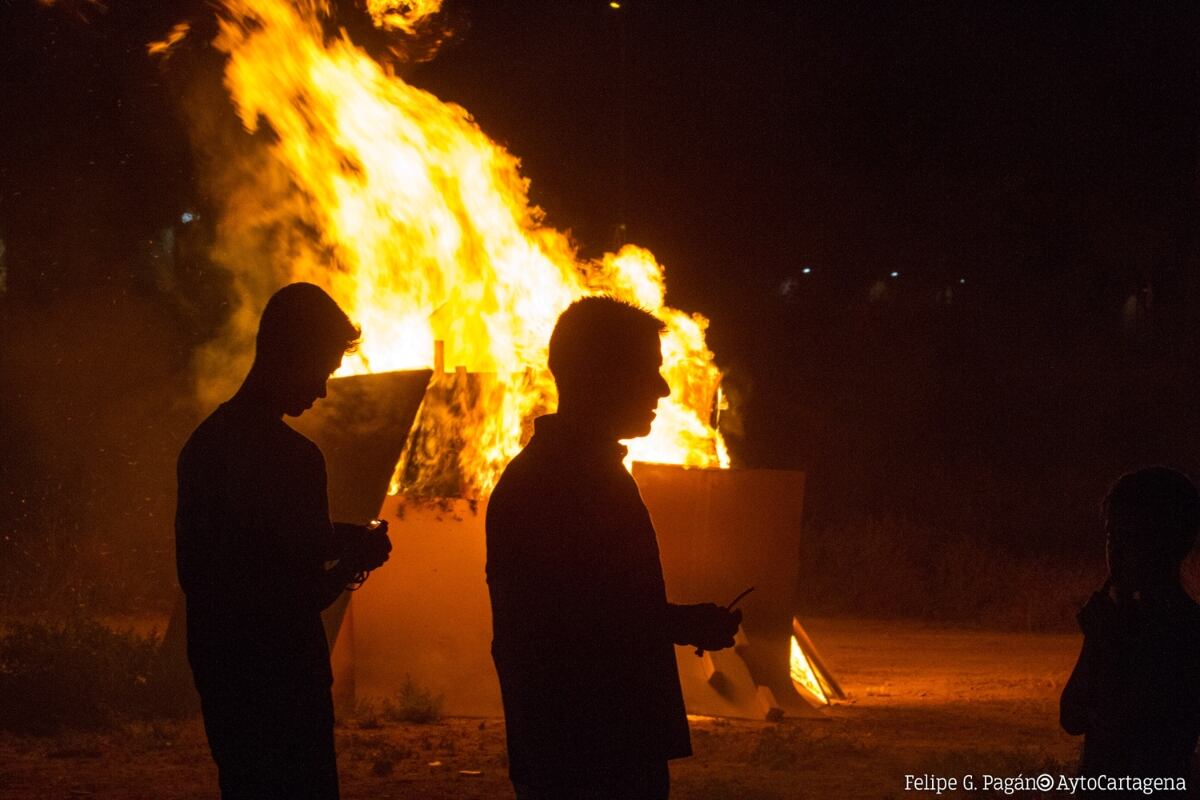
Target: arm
{"type": "Point", "coordinates": [1077, 704]}
{"type": "Point", "coordinates": [1074, 706]}
{"type": "Point", "coordinates": [287, 538]}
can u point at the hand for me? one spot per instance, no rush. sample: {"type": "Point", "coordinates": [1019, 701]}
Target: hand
{"type": "Point", "coordinates": [369, 549]}
{"type": "Point", "coordinates": [709, 626]}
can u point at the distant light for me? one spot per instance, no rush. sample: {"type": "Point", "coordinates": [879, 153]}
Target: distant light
{"type": "Point", "coordinates": [187, 217]}
{"type": "Point", "coordinates": [962, 280]}
{"type": "Point", "coordinates": [807, 270]}
{"type": "Point", "coordinates": [895, 274]}
{"type": "Point", "coordinates": [614, 4]}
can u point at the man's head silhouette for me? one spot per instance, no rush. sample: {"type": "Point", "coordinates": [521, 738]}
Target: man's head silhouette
{"type": "Point", "coordinates": [606, 358]}
{"type": "Point", "coordinates": [302, 337]}
{"type": "Point", "coordinates": [1150, 517]}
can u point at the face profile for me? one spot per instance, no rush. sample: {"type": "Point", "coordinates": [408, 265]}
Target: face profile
{"type": "Point", "coordinates": [637, 388]}
{"type": "Point", "coordinates": [606, 358]}
{"type": "Point", "coordinates": [307, 384]}
{"type": "Point", "coordinates": [302, 338]}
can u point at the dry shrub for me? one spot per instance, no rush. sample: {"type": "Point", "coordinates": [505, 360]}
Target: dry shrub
{"type": "Point", "coordinates": [78, 674]}
{"type": "Point", "coordinates": [887, 568]}
{"type": "Point", "coordinates": [414, 703]}
{"type": "Point", "coordinates": [410, 703]}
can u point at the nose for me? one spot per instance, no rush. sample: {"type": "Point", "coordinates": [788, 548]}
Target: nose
{"type": "Point", "coordinates": [322, 393]}
{"type": "Point", "coordinates": [664, 389]}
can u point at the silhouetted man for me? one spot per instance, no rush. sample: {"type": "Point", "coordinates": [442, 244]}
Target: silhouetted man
{"type": "Point", "coordinates": [254, 546]}
{"type": "Point", "coordinates": [583, 632]}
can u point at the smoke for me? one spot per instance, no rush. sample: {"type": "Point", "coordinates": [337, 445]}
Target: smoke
{"type": "Point", "coordinates": [80, 11]}
{"type": "Point", "coordinates": [263, 233]}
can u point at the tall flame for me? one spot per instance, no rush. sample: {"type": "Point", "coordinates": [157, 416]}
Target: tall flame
{"type": "Point", "coordinates": [425, 232]}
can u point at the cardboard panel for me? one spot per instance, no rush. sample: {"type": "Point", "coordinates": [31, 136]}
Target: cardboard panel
{"type": "Point", "coordinates": [722, 531]}
{"type": "Point", "coordinates": [426, 615]}
{"type": "Point", "coordinates": [361, 427]}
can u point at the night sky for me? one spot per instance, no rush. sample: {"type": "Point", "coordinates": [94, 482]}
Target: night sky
{"type": "Point", "coordinates": [1024, 168]}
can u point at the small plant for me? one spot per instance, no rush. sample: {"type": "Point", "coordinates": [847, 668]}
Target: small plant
{"type": "Point", "coordinates": [413, 703]}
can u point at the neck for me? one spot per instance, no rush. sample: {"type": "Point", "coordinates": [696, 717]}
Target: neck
{"type": "Point", "coordinates": [256, 392]}
{"type": "Point", "coordinates": [583, 416]}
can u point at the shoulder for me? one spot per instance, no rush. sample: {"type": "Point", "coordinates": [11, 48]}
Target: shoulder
{"type": "Point", "coordinates": [519, 481]}
{"type": "Point", "coordinates": [535, 485]}
{"type": "Point", "coordinates": [301, 444]}
{"type": "Point", "coordinates": [252, 441]}
{"type": "Point", "coordinates": [209, 438]}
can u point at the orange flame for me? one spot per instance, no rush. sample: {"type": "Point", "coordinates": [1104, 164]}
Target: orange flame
{"type": "Point", "coordinates": [426, 232]}
{"type": "Point", "coordinates": [164, 46]}
{"type": "Point", "coordinates": [401, 15]}
{"type": "Point", "coordinates": [804, 677]}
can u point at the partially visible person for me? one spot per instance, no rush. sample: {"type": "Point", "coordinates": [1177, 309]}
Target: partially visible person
{"type": "Point", "coordinates": [583, 633]}
{"type": "Point", "coordinates": [1135, 692]}
{"type": "Point", "coordinates": [254, 548]}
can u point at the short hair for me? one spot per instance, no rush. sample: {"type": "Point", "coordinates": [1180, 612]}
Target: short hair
{"type": "Point", "coordinates": [301, 318]}
{"type": "Point", "coordinates": [1165, 505]}
{"type": "Point", "coordinates": [594, 335]}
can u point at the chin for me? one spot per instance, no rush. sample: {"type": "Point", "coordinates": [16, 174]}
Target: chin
{"type": "Point", "coordinates": [639, 430]}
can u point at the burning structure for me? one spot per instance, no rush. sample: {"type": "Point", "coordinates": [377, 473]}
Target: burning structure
{"type": "Point", "coordinates": [425, 617]}
{"type": "Point", "coordinates": [419, 225]}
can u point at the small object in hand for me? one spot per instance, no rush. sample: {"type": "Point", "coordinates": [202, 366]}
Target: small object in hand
{"type": "Point", "coordinates": [738, 599]}
{"type": "Point", "coordinates": [360, 577]}
{"type": "Point", "coordinates": [732, 603]}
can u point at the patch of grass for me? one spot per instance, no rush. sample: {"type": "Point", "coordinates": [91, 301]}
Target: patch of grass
{"type": "Point", "coordinates": [379, 753]}
{"type": "Point", "coordinates": [365, 715]}
{"type": "Point", "coordinates": [78, 674]}
{"type": "Point", "coordinates": [789, 748]}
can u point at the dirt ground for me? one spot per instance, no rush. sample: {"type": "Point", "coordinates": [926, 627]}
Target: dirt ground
{"type": "Point", "coordinates": [921, 700]}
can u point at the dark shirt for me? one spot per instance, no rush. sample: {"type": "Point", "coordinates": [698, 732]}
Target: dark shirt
{"type": "Point", "coordinates": [581, 625]}
{"type": "Point", "coordinates": [1135, 691]}
{"type": "Point", "coordinates": [252, 535]}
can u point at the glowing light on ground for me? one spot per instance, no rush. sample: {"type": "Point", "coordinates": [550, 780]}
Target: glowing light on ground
{"type": "Point", "coordinates": [804, 676]}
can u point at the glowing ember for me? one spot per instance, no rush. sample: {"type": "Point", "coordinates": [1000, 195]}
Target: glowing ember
{"type": "Point", "coordinates": [425, 233]}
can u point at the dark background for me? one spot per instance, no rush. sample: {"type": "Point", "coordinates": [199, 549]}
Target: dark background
{"type": "Point", "coordinates": [1025, 169]}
